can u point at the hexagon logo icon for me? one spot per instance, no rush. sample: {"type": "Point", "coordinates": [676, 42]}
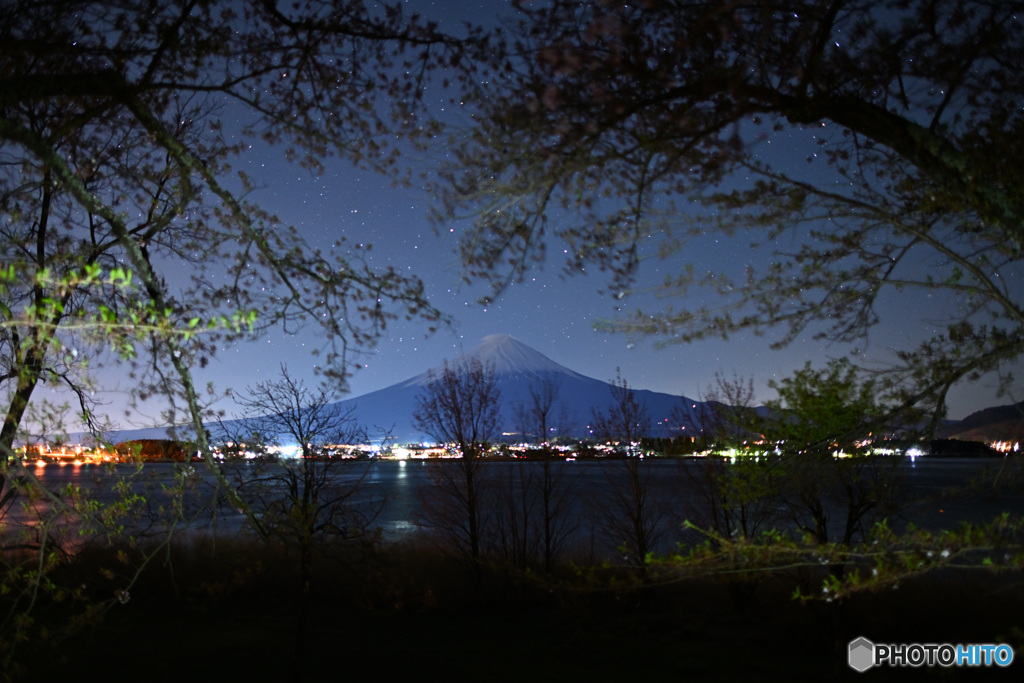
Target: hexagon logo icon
{"type": "Point", "coordinates": [861, 655]}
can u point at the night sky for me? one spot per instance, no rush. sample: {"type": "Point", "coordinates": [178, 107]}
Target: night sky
{"type": "Point", "coordinates": [554, 315]}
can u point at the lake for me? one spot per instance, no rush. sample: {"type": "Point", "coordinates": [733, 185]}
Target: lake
{"type": "Point", "coordinates": [592, 494]}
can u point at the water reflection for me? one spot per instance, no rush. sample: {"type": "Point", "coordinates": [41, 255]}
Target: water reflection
{"type": "Point", "coordinates": [404, 485]}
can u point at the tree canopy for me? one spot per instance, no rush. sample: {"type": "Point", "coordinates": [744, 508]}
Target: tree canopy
{"type": "Point", "coordinates": [826, 411]}
{"type": "Point", "coordinates": [122, 223]}
{"type": "Point", "coordinates": [624, 129]}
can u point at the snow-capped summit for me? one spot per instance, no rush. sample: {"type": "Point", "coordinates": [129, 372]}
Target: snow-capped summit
{"type": "Point", "coordinates": [509, 356]}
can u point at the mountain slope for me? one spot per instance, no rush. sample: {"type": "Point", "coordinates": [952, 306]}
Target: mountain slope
{"type": "Point", "coordinates": [999, 423]}
{"type": "Point", "coordinates": [517, 367]}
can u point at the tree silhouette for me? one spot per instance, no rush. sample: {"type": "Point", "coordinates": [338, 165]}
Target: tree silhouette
{"type": "Point", "coordinates": [307, 501]}
{"type": "Point", "coordinates": [125, 234]}
{"type": "Point", "coordinates": [116, 186]}
{"type": "Point", "coordinates": [627, 130]}
{"type": "Point", "coordinates": [625, 420]}
{"type": "Point", "coordinates": [461, 407]}
{"type": "Point", "coordinates": [537, 413]}
{"type": "Point", "coordinates": [732, 497]}
{"type": "Point", "coordinates": [539, 497]}
{"type": "Point", "coordinates": [305, 496]}
{"type": "Point", "coordinates": [820, 415]}
{"type": "Point", "coordinates": [634, 513]}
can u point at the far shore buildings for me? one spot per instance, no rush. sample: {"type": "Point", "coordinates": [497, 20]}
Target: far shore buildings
{"type": "Point", "coordinates": [163, 450]}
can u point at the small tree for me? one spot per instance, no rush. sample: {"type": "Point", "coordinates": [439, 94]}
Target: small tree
{"type": "Point", "coordinates": [735, 498]}
{"type": "Point", "coordinates": [626, 419]}
{"type": "Point", "coordinates": [461, 407]}
{"type": "Point", "coordinates": [302, 500]}
{"type": "Point", "coordinates": [634, 515]}
{"type": "Point", "coordinates": [733, 420]}
{"type": "Point", "coordinates": [540, 505]}
{"type": "Point", "coordinates": [823, 424]}
{"type": "Point", "coordinates": [538, 412]}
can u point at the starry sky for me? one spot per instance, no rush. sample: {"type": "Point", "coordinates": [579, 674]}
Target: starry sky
{"type": "Point", "coordinates": [549, 311]}
{"type": "Point", "coordinates": [554, 315]}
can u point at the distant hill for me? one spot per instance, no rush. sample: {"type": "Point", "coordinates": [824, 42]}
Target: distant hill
{"type": "Point", "coordinates": [1001, 423]}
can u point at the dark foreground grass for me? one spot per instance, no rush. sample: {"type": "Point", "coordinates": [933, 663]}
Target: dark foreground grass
{"type": "Point", "coordinates": [410, 612]}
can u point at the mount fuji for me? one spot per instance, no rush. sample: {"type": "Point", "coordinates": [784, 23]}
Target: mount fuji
{"type": "Point", "coordinates": [518, 367]}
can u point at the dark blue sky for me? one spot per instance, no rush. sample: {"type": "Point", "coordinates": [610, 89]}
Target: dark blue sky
{"type": "Point", "coordinates": [554, 315]}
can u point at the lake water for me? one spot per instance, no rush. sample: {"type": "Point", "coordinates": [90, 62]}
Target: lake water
{"type": "Point", "coordinates": [593, 493]}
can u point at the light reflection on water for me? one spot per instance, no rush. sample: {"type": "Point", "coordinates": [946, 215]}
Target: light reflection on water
{"type": "Point", "coordinates": [404, 485]}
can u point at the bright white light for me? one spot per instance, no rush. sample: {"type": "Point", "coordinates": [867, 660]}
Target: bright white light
{"type": "Point", "coordinates": [286, 451]}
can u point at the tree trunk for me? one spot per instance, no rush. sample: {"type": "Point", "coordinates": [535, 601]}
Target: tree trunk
{"type": "Point", "coordinates": [28, 378]}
